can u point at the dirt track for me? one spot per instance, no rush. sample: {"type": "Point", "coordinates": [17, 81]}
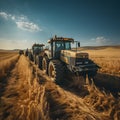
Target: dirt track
{"type": "Point", "coordinates": [28, 94]}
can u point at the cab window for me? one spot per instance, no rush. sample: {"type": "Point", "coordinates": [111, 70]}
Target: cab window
{"type": "Point", "coordinates": [67, 45]}
{"type": "Point", "coordinates": [59, 45]}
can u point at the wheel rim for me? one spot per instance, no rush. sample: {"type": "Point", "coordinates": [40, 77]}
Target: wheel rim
{"type": "Point", "coordinates": [52, 72]}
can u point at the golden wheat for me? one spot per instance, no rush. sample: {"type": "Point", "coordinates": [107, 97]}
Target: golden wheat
{"type": "Point", "coordinates": [30, 94]}
{"type": "Point", "coordinates": [25, 92]}
{"type": "Point", "coordinates": [103, 102]}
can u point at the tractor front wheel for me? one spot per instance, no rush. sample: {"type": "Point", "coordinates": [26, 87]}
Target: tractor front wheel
{"type": "Point", "coordinates": [45, 62]}
{"type": "Point", "coordinates": [56, 71]}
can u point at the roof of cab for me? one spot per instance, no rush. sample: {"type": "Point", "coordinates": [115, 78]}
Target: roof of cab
{"type": "Point", "coordinates": [40, 45]}
{"type": "Point", "coordinates": [55, 38]}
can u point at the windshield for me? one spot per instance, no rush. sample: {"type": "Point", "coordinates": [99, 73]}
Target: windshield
{"type": "Point", "coordinates": [67, 46]}
{"type": "Point", "coordinates": [61, 45]}
{"type": "Point", "coordinates": [37, 48]}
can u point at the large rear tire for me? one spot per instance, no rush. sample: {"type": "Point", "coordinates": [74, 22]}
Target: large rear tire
{"type": "Point", "coordinates": [35, 59]}
{"type": "Point", "coordinates": [56, 71]}
{"type": "Point", "coordinates": [39, 61]}
{"type": "Point", "coordinates": [30, 56]}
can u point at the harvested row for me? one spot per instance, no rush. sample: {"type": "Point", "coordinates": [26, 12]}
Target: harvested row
{"type": "Point", "coordinates": [24, 98]}
{"type": "Point", "coordinates": [7, 54]}
{"type": "Point", "coordinates": [5, 65]}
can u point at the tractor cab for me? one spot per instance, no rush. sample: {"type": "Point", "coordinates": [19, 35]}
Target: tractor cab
{"type": "Point", "coordinates": [37, 48]}
{"type": "Point", "coordinates": [58, 44]}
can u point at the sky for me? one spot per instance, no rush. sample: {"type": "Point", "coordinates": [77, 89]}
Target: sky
{"type": "Point", "coordinates": [92, 22]}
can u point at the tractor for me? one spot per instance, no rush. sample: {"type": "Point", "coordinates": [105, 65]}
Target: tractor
{"type": "Point", "coordinates": [60, 57]}
{"type": "Point", "coordinates": [35, 54]}
{"type": "Point", "coordinates": [21, 52]}
{"type": "Point", "coordinates": [26, 52]}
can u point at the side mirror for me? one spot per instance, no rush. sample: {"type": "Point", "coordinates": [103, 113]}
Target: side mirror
{"type": "Point", "coordinates": [78, 44]}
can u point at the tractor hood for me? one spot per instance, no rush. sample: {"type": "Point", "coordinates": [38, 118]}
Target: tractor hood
{"type": "Point", "coordinates": [78, 61]}
{"type": "Point", "coordinates": [70, 57]}
{"type": "Point", "coordinates": [74, 54]}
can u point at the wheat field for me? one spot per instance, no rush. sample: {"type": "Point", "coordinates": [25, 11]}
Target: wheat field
{"type": "Point", "coordinates": [108, 58]}
{"type": "Point", "coordinates": [26, 93]}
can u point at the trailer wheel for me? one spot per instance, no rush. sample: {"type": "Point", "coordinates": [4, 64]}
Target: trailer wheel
{"type": "Point", "coordinates": [56, 71]}
{"type": "Point", "coordinates": [45, 62]}
{"type": "Point", "coordinates": [39, 61]}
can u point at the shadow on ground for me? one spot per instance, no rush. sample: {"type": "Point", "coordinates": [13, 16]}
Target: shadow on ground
{"type": "Point", "coordinates": [106, 82]}
{"type": "Point", "coordinates": [109, 82]}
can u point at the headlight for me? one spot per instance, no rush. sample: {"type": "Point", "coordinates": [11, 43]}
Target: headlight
{"type": "Point", "coordinates": [79, 63]}
{"type": "Point", "coordinates": [79, 56]}
{"type": "Point", "coordinates": [86, 62]}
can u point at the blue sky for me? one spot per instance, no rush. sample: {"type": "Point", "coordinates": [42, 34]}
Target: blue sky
{"type": "Point", "coordinates": [92, 22]}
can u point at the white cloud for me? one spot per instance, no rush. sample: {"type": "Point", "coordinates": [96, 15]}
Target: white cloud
{"type": "Point", "coordinates": [22, 17]}
{"type": "Point", "coordinates": [4, 15]}
{"type": "Point", "coordinates": [101, 40]}
{"type": "Point", "coordinates": [28, 26]}
{"type": "Point", "coordinates": [22, 22]}
{"type": "Point", "coordinates": [13, 17]}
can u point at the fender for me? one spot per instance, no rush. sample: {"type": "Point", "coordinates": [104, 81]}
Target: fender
{"type": "Point", "coordinates": [47, 53]}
